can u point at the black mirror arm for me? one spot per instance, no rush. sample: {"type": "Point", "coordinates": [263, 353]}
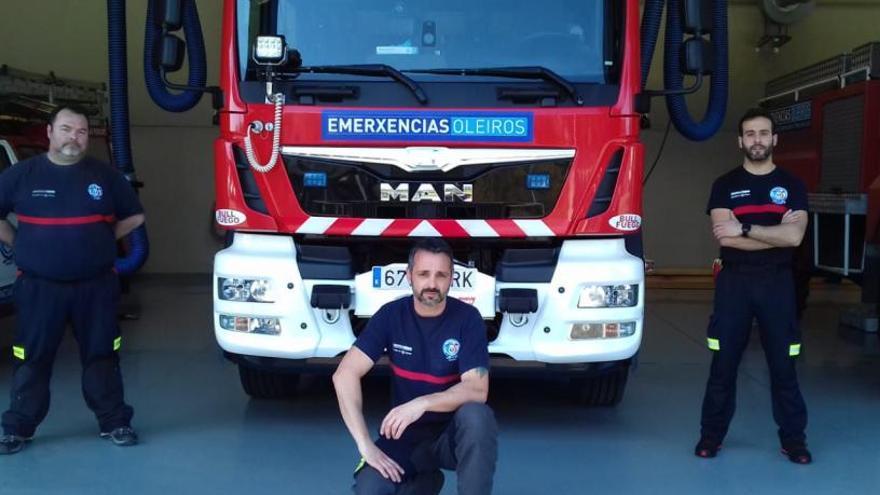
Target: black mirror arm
{"type": "Point", "coordinates": [215, 91]}
{"type": "Point", "coordinates": [684, 91]}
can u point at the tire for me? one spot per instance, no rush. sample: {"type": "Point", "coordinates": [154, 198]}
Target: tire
{"type": "Point", "coordinates": [267, 385]}
{"type": "Point", "coordinates": [605, 390]}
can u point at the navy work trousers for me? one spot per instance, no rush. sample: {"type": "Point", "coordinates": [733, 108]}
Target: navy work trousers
{"type": "Point", "coordinates": [743, 293]}
{"type": "Point", "coordinates": [44, 308]}
{"type": "Point", "coordinates": [468, 446]}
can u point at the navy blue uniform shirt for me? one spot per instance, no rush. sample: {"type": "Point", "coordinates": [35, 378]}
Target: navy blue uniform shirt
{"type": "Point", "coordinates": [427, 355]}
{"type": "Point", "coordinates": [758, 200]}
{"type": "Point", "coordinates": [66, 216]}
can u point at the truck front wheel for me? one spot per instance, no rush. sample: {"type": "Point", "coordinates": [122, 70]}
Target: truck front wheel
{"type": "Point", "coordinates": [261, 384]}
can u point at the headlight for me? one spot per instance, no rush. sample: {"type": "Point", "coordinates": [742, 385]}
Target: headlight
{"type": "Point", "coordinates": [609, 296]}
{"type": "Point", "coordinates": [245, 290]}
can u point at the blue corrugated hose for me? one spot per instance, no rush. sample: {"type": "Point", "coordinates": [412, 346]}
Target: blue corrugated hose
{"type": "Point", "coordinates": [651, 18]}
{"type": "Point", "coordinates": [672, 75]}
{"type": "Point", "coordinates": [138, 244]}
{"type": "Point", "coordinates": [195, 52]}
{"type": "Point", "coordinates": [676, 104]}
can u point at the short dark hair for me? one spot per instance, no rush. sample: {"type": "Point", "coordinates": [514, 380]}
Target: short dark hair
{"type": "Point", "coordinates": [754, 113]}
{"type": "Point", "coordinates": [431, 245]}
{"type": "Point", "coordinates": [70, 108]}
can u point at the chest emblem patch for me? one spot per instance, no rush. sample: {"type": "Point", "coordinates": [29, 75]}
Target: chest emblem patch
{"type": "Point", "coordinates": [95, 191]}
{"type": "Point", "coordinates": [778, 195]}
{"type": "Point", "coordinates": [450, 349]}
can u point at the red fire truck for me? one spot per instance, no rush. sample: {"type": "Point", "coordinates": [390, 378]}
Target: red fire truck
{"type": "Point", "coordinates": [509, 129]}
{"type": "Point", "coordinates": [828, 118]}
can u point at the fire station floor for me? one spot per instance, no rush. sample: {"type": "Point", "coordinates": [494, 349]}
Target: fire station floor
{"type": "Point", "coordinates": [201, 434]}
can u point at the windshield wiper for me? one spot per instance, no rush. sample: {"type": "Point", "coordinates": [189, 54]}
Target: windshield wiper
{"type": "Point", "coordinates": [526, 72]}
{"type": "Point", "coordinates": [367, 70]}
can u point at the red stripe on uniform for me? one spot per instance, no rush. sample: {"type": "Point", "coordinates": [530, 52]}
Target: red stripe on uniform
{"type": "Point", "coordinates": [768, 208]}
{"type": "Point", "coordinates": [449, 228]}
{"type": "Point", "coordinates": [506, 228]}
{"type": "Point", "coordinates": [344, 226]}
{"type": "Point", "coordinates": [66, 220]}
{"type": "Point", "coordinates": [424, 377]}
{"type": "Point", "coordinates": [401, 227]}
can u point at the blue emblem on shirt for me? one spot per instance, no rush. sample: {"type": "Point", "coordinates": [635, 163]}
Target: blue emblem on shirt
{"type": "Point", "coordinates": [778, 195]}
{"type": "Point", "coordinates": [450, 349]}
{"type": "Point", "coordinates": [95, 191]}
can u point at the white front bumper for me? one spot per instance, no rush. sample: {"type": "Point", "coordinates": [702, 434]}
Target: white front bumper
{"type": "Point", "coordinates": [544, 337]}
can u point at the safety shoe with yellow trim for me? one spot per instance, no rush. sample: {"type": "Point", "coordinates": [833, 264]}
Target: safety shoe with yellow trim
{"type": "Point", "coordinates": [707, 448]}
{"type": "Point", "coordinates": [797, 452]}
{"type": "Point", "coordinates": [123, 436]}
{"type": "Point", "coordinates": [12, 444]}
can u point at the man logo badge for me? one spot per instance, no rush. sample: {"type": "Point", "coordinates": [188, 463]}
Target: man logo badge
{"type": "Point", "coordinates": [95, 191]}
{"type": "Point", "coordinates": [450, 349]}
{"type": "Point", "coordinates": [778, 195]}
{"type": "Point", "coordinates": [426, 192]}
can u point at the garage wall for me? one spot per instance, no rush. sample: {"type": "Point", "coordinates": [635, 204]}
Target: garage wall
{"type": "Point", "coordinates": [172, 152]}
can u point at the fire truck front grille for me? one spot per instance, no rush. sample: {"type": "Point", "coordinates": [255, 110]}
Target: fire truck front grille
{"type": "Point", "coordinates": [523, 190]}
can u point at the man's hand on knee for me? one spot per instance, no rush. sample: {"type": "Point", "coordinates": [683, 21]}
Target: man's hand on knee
{"type": "Point", "coordinates": [399, 418]}
{"type": "Point", "coordinates": [386, 466]}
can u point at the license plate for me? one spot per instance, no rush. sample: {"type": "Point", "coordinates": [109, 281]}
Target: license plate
{"type": "Point", "coordinates": [393, 276]}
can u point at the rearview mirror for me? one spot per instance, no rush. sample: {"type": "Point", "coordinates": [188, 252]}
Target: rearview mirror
{"type": "Point", "coordinates": [170, 14]}
{"type": "Point", "coordinates": [698, 57]}
{"type": "Point", "coordinates": [171, 55]}
{"type": "Point", "coordinates": [697, 16]}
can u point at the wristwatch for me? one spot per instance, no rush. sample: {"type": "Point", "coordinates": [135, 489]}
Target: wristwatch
{"type": "Point", "coordinates": [746, 228]}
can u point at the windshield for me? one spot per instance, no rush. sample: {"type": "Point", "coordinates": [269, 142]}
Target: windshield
{"type": "Point", "coordinates": [565, 36]}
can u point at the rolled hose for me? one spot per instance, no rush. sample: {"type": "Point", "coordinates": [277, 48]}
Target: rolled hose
{"type": "Point", "coordinates": [672, 76]}
{"type": "Point", "coordinates": [138, 243]}
{"type": "Point", "coordinates": [195, 51]}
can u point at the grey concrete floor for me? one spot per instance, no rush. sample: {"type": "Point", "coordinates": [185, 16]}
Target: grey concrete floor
{"type": "Point", "coordinates": [201, 434]}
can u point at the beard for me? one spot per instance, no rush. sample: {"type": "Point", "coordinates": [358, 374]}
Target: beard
{"type": "Point", "coordinates": [758, 153]}
{"type": "Point", "coordinates": [431, 303]}
{"type": "Point", "coordinates": [71, 150]}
